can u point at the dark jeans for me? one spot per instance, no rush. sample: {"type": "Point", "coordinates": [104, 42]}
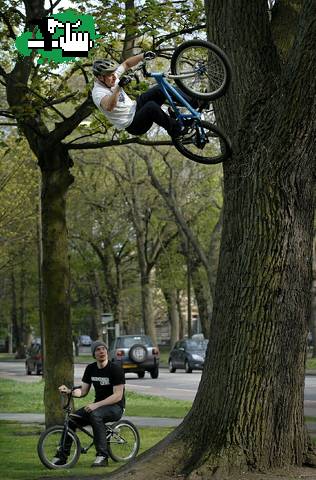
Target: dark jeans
{"type": "Point", "coordinates": [149, 111]}
{"type": "Point", "coordinates": [97, 419]}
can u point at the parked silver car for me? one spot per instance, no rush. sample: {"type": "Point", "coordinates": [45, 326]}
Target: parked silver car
{"type": "Point", "coordinates": [137, 354]}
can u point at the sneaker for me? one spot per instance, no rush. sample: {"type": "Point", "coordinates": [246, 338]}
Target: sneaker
{"type": "Point", "coordinates": [171, 112]}
{"type": "Point", "coordinates": [100, 461]}
{"type": "Point", "coordinates": [59, 461]}
{"type": "Point", "coordinates": [180, 131]}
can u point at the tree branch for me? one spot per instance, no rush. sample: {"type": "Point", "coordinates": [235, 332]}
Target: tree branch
{"type": "Point", "coordinates": [9, 26]}
{"type": "Point", "coordinates": [49, 102]}
{"type": "Point", "coordinates": [178, 215]}
{"type": "Point", "coordinates": [52, 6]}
{"type": "Point", "coordinates": [164, 38]}
{"type": "Point", "coordinates": [116, 143]}
{"type": "Point", "coordinates": [69, 124]}
{"type": "Point", "coordinates": [3, 73]}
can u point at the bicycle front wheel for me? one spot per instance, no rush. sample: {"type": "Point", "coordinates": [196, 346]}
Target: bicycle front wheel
{"type": "Point", "coordinates": [203, 68]}
{"type": "Point", "coordinates": [50, 447]}
{"type": "Point", "coordinates": [123, 444]}
{"type": "Point", "coordinates": [204, 143]}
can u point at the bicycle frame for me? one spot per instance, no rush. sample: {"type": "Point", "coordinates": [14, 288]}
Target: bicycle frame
{"type": "Point", "coordinates": [82, 429]}
{"type": "Point", "coordinates": [170, 91]}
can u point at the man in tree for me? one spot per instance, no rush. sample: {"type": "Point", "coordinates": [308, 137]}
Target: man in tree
{"type": "Point", "coordinates": [108, 381]}
{"type": "Point", "coordinates": [135, 116]}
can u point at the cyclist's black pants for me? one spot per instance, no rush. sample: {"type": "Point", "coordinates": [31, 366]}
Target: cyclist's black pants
{"type": "Point", "coordinates": [149, 111]}
{"type": "Point", "coordinates": [97, 419]}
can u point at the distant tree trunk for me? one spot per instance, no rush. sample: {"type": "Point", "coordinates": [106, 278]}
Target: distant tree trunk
{"type": "Point", "coordinates": [170, 295]}
{"type": "Point", "coordinates": [96, 326]}
{"type": "Point", "coordinates": [203, 296]}
{"type": "Point", "coordinates": [147, 304]}
{"type": "Point", "coordinates": [14, 312]}
{"type": "Point", "coordinates": [181, 319]}
{"type": "Point", "coordinates": [21, 314]}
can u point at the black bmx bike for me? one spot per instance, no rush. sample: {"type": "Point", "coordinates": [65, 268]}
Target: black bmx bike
{"type": "Point", "coordinates": [203, 71]}
{"type": "Point", "coordinates": [123, 441]}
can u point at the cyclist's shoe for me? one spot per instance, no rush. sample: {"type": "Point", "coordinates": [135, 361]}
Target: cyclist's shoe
{"type": "Point", "coordinates": [59, 461]}
{"type": "Point", "coordinates": [100, 461]}
{"type": "Point", "coordinates": [171, 112]}
{"type": "Point", "coordinates": [180, 131]}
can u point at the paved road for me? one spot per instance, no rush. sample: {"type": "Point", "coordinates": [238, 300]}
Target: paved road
{"type": "Point", "coordinates": [179, 385]}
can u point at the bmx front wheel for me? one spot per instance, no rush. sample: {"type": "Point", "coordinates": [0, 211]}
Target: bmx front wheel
{"type": "Point", "coordinates": [203, 69]}
{"type": "Point", "coordinates": [123, 444]}
{"type": "Point", "coordinates": [213, 148]}
{"type": "Point", "coordinates": [50, 447]}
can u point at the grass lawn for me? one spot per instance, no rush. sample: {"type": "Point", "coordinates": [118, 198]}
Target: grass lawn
{"type": "Point", "coordinates": [19, 460]}
{"type": "Point", "coordinates": [21, 397]}
{"type": "Point", "coordinates": [311, 364]}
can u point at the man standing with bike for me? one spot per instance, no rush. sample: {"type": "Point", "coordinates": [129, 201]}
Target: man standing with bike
{"type": "Point", "coordinates": [135, 116]}
{"type": "Point", "coordinates": [108, 380]}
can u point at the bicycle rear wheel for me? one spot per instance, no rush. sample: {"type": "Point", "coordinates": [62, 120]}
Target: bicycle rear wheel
{"type": "Point", "coordinates": [123, 444]}
{"type": "Point", "coordinates": [204, 67]}
{"type": "Point", "coordinates": [50, 446]}
{"type": "Point", "coordinates": [214, 149]}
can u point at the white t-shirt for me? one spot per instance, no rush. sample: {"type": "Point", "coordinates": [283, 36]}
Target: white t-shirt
{"type": "Point", "coordinates": [122, 115]}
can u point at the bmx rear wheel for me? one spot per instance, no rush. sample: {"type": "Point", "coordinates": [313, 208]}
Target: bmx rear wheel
{"type": "Point", "coordinates": [214, 147]}
{"type": "Point", "coordinates": [204, 67]}
{"type": "Point", "coordinates": [123, 445]}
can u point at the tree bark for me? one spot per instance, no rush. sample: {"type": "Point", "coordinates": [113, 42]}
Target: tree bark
{"type": "Point", "coordinates": [313, 312]}
{"type": "Point", "coordinates": [56, 179]}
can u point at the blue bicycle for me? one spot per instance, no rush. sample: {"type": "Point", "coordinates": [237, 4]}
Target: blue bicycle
{"type": "Point", "coordinates": [201, 70]}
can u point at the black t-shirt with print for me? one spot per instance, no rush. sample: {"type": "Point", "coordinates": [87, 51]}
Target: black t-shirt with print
{"type": "Point", "coordinates": [104, 379]}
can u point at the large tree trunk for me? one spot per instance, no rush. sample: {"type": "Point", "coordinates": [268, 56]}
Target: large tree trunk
{"type": "Point", "coordinates": [249, 409]}
{"type": "Point", "coordinates": [56, 281]}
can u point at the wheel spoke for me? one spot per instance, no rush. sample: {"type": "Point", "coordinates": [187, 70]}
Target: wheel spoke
{"type": "Point", "coordinates": [209, 66]}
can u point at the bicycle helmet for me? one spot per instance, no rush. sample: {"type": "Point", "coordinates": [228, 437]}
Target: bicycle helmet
{"type": "Point", "coordinates": [102, 67]}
